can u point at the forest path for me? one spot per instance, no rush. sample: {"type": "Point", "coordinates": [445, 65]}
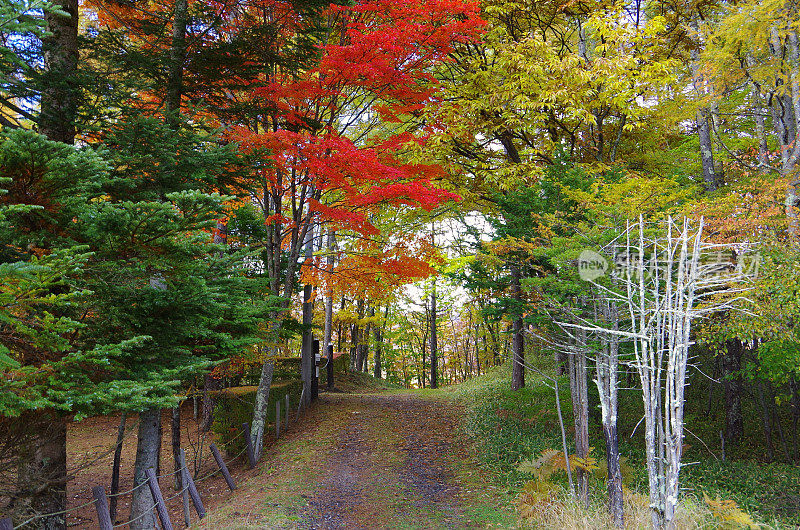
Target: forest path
{"type": "Point", "coordinates": [380, 460]}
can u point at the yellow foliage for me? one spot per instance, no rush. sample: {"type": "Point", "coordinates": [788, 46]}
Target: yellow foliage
{"type": "Point", "coordinates": [535, 496]}
{"type": "Point", "coordinates": [550, 461]}
{"type": "Point", "coordinates": [729, 512]}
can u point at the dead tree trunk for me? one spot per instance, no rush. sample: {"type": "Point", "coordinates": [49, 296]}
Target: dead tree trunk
{"type": "Point", "coordinates": [607, 387]}
{"type": "Point", "coordinates": [660, 301]}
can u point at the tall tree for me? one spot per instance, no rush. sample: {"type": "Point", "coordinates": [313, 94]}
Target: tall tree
{"type": "Point", "coordinates": [318, 173]}
{"type": "Point", "coordinates": [433, 319]}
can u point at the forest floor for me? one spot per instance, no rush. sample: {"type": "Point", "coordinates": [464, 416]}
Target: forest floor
{"type": "Point", "coordinates": [384, 459]}
{"type": "Point", "coordinates": [90, 446]}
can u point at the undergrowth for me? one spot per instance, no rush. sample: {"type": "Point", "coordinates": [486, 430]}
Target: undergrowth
{"type": "Point", "coordinates": [511, 427]}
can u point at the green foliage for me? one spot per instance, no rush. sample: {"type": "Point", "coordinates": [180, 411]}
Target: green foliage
{"type": "Point", "coordinates": [21, 28]}
{"type": "Point", "coordinates": [113, 290]}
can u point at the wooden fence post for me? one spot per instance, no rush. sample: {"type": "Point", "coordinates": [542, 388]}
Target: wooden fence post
{"type": "Point", "coordinates": [6, 524]}
{"type": "Point", "coordinates": [223, 467]}
{"type": "Point", "coordinates": [193, 493]}
{"type": "Point", "coordinates": [161, 508]}
{"type": "Point", "coordinates": [101, 505]}
{"type": "Point", "coordinates": [251, 456]}
{"type": "Point", "coordinates": [287, 411]}
{"type": "Point", "coordinates": [187, 514]}
{"type": "Point", "coordinates": [181, 479]}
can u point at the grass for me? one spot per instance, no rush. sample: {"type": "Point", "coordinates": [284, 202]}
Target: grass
{"type": "Point", "coordinates": [512, 426]}
{"type": "Point", "coordinates": [353, 382]}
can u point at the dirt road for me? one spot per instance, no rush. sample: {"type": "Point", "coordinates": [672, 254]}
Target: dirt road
{"type": "Point", "coordinates": [383, 460]}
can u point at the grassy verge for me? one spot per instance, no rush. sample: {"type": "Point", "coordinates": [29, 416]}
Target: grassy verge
{"type": "Point", "coordinates": [513, 426]}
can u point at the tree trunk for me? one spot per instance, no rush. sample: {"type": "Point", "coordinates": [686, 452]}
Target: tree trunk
{"type": "Point", "coordinates": [43, 465]}
{"type": "Point", "coordinates": [210, 386]}
{"type": "Point", "coordinates": [703, 122]}
{"type": "Point", "coordinates": [328, 332]}
{"type": "Point", "coordinates": [561, 362]}
{"type": "Point", "coordinates": [711, 379]}
{"type": "Point", "coordinates": [518, 339]}
{"type": "Point", "coordinates": [608, 387]}
{"type": "Point", "coordinates": [354, 332]}
{"type": "Point", "coordinates": [340, 334]}
{"type": "Point", "coordinates": [477, 352]}
{"type": "Point", "coordinates": [176, 444]}
{"type": "Point", "coordinates": [364, 352]}
{"type": "Point", "coordinates": [580, 411]}
{"type": "Point", "coordinates": [308, 369]}
{"type": "Point", "coordinates": [177, 56]}
{"type": "Point", "coordinates": [776, 418]}
{"type": "Point", "coordinates": [146, 458]}
{"type": "Point", "coordinates": [112, 507]}
{"type": "Point", "coordinates": [732, 381]}
{"type": "Point", "coordinates": [378, 372]}
{"type": "Point", "coordinates": [355, 337]}
{"type": "Point", "coordinates": [258, 424]}
{"type": "Point", "coordinates": [706, 149]}
{"type": "Point", "coordinates": [434, 340]}
{"type": "Point", "coordinates": [424, 357]}
{"type": "Point", "coordinates": [785, 117]}
{"type": "Point", "coordinates": [761, 131]}
{"type": "Point", "coordinates": [42, 480]}
{"type": "Point", "coordinates": [60, 93]}
{"type": "Point", "coordinates": [765, 422]}
{"type": "Point", "coordinates": [306, 352]}
{"type": "Point", "coordinates": [160, 440]}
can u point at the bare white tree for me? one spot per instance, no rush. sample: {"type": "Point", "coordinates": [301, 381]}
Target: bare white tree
{"type": "Point", "coordinates": [666, 277]}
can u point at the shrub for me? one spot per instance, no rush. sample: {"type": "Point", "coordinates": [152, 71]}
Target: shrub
{"type": "Point", "coordinates": [234, 406]}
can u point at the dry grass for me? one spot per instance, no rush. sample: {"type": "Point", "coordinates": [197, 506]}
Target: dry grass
{"type": "Point", "coordinates": [560, 511]}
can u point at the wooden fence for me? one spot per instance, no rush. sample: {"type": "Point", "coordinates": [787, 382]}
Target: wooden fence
{"type": "Point", "coordinates": [188, 490]}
